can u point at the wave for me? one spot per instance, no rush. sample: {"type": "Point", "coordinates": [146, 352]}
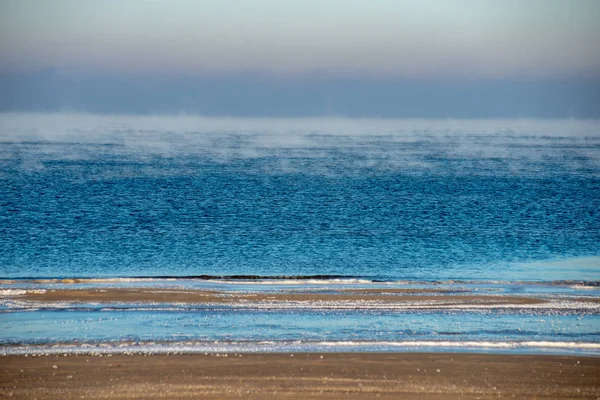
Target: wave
{"type": "Point", "coordinates": [195, 347]}
{"type": "Point", "coordinates": [180, 277]}
{"type": "Point", "coordinates": [551, 307]}
{"type": "Point", "coordinates": [18, 292]}
{"type": "Point", "coordinates": [294, 279]}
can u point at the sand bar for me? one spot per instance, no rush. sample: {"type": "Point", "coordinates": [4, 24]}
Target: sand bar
{"type": "Point", "coordinates": [301, 376]}
{"type": "Point", "coordinates": [144, 295]}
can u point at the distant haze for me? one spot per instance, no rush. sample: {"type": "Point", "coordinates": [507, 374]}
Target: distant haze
{"type": "Point", "coordinates": [384, 58]}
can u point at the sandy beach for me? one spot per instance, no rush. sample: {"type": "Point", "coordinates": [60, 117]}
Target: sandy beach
{"type": "Point", "coordinates": [127, 373]}
{"type": "Point", "coordinates": [301, 376]}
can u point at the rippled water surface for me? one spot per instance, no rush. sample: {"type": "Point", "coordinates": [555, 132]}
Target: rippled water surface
{"type": "Point", "coordinates": [363, 201]}
{"type": "Point", "coordinates": [138, 196]}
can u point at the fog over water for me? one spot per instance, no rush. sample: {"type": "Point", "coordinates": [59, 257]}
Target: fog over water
{"type": "Point", "coordinates": [329, 146]}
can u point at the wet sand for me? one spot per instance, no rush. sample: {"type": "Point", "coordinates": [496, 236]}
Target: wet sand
{"type": "Point", "coordinates": [301, 376]}
{"type": "Point", "coordinates": [143, 295]}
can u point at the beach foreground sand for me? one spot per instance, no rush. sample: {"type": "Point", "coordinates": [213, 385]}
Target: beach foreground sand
{"type": "Point", "coordinates": [302, 376]}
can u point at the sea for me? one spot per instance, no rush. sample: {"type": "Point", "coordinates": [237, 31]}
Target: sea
{"type": "Point", "coordinates": [299, 205]}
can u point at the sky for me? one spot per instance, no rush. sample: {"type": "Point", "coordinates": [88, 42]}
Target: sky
{"type": "Point", "coordinates": [390, 58]}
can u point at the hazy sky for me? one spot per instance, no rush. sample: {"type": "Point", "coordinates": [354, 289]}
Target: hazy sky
{"type": "Point", "coordinates": [381, 40]}
{"type": "Point", "coordinates": [482, 37]}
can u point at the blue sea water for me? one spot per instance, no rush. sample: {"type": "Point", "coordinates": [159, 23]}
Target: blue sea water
{"type": "Point", "coordinates": [140, 196]}
{"type": "Point", "coordinates": [468, 201]}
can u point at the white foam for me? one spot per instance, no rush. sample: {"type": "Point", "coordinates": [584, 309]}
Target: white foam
{"type": "Point", "coordinates": [12, 292]}
{"type": "Point", "coordinates": [189, 347]}
{"type": "Point", "coordinates": [551, 304]}
{"type": "Point", "coordinates": [267, 281]}
{"type": "Point", "coordinates": [19, 292]}
{"type": "Point", "coordinates": [583, 287]}
{"type": "Point", "coordinates": [473, 344]}
{"type": "Point", "coordinates": [121, 280]}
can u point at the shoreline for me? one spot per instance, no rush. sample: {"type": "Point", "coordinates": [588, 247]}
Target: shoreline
{"type": "Point", "coordinates": [301, 375]}
{"type": "Point", "coordinates": [196, 347]}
